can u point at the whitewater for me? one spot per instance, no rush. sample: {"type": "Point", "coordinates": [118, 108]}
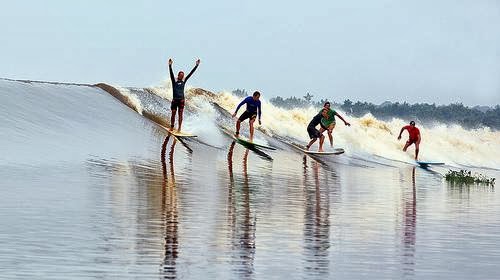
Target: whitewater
{"type": "Point", "coordinates": [367, 137]}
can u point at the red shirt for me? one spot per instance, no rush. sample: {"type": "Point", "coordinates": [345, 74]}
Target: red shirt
{"type": "Point", "coordinates": [413, 131]}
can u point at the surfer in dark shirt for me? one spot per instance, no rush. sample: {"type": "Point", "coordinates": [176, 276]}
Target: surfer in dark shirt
{"type": "Point", "coordinates": [253, 109]}
{"type": "Point", "coordinates": [178, 92]}
{"type": "Point", "coordinates": [314, 133]}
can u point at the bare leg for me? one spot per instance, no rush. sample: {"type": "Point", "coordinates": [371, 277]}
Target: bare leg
{"type": "Point", "coordinates": [181, 112]}
{"type": "Point", "coordinates": [310, 143]}
{"type": "Point", "coordinates": [251, 129]}
{"type": "Point", "coordinates": [417, 144]}
{"type": "Point", "coordinates": [172, 119]}
{"type": "Point", "coordinates": [406, 146]}
{"type": "Point", "coordinates": [238, 124]}
{"type": "Point", "coordinates": [321, 140]}
{"type": "Point", "coordinates": [330, 137]}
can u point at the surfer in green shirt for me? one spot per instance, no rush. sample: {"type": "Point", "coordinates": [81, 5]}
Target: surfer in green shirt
{"type": "Point", "coordinates": [328, 121]}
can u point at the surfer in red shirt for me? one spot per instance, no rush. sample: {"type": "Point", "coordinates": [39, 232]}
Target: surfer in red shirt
{"type": "Point", "coordinates": [414, 137]}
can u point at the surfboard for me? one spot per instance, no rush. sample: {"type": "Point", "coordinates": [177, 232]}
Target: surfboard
{"type": "Point", "coordinates": [336, 151]}
{"type": "Point", "coordinates": [246, 142]}
{"type": "Point", "coordinates": [428, 163]}
{"type": "Point", "coordinates": [180, 133]}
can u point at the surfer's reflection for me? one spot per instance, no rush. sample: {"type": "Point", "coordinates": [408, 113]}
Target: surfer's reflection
{"type": "Point", "coordinates": [241, 220]}
{"type": "Point", "coordinates": [317, 221]}
{"type": "Point", "coordinates": [409, 200]}
{"type": "Point", "coordinates": [170, 213]}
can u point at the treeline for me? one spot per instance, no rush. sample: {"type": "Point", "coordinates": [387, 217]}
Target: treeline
{"type": "Point", "coordinates": [421, 112]}
{"type": "Point", "coordinates": [428, 113]}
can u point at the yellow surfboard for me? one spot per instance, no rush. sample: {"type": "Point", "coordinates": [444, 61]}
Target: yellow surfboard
{"type": "Point", "coordinates": [180, 133]}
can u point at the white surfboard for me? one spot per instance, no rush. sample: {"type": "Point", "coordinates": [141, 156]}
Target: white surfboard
{"type": "Point", "coordinates": [336, 151]}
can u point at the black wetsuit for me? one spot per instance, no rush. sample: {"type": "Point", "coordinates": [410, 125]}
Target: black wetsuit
{"type": "Point", "coordinates": [311, 128]}
{"type": "Point", "coordinates": [178, 89]}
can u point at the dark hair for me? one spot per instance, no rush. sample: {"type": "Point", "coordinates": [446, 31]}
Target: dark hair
{"type": "Point", "coordinates": [412, 123]}
{"type": "Point", "coordinates": [256, 93]}
{"type": "Point", "coordinates": [327, 102]}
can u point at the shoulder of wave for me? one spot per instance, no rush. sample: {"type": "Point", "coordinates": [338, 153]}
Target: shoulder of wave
{"type": "Point", "coordinates": [126, 100]}
{"type": "Point", "coordinates": [47, 82]}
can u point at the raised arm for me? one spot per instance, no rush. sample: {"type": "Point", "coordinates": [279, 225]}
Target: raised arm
{"type": "Point", "coordinates": [192, 71]}
{"type": "Point", "coordinates": [170, 70]}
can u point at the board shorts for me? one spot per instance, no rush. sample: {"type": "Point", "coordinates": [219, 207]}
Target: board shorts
{"type": "Point", "coordinates": [177, 103]}
{"type": "Point", "coordinates": [313, 132]}
{"type": "Point", "coordinates": [411, 141]}
{"type": "Point", "coordinates": [332, 126]}
{"type": "Point", "coordinates": [247, 115]}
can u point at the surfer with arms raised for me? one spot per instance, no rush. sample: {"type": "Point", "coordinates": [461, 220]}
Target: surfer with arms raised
{"type": "Point", "coordinates": [178, 93]}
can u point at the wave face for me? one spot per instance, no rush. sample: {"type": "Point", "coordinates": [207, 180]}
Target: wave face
{"type": "Point", "coordinates": [44, 123]}
{"type": "Point", "coordinates": [56, 114]}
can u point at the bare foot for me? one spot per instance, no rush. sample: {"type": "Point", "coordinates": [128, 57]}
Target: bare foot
{"type": "Point", "coordinates": [320, 150]}
{"type": "Point", "coordinates": [307, 147]}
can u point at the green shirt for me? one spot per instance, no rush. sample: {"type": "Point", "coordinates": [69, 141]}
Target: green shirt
{"type": "Point", "coordinates": [331, 118]}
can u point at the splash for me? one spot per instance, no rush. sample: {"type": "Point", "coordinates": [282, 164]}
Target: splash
{"type": "Point", "coordinates": [369, 137]}
{"type": "Point", "coordinates": [133, 100]}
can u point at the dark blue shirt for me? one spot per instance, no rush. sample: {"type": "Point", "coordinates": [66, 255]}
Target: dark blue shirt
{"type": "Point", "coordinates": [252, 105]}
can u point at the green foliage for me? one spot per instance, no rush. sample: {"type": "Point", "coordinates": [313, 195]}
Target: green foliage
{"type": "Point", "coordinates": [466, 177]}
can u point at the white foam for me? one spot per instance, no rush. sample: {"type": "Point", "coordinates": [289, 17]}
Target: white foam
{"type": "Point", "coordinates": [132, 98]}
{"type": "Point", "coordinates": [369, 136]}
{"type": "Point", "coordinates": [203, 122]}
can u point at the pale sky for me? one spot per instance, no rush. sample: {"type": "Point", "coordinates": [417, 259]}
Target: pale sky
{"type": "Point", "coordinates": [416, 51]}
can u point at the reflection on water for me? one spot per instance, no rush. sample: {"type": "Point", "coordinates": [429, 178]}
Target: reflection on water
{"type": "Point", "coordinates": [169, 211]}
{"type": "Point", "coordinates": [232, 214]}
{"type": "Point", "coordinates": [409, 208]}
{"type": "Point", "coordinates": [241, 221]}
{"type": "Point", "coordinates": [316, 221]}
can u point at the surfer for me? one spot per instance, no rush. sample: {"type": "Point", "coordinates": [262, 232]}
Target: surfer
{"type": "Point", "coordinates": [414, 138]}
{"type": "Point", "coordinates": [178, 93]}
{"type": "Point", "coordinates": [253, 109]}
{"type": "Point", "coordinates": [328, 122]}
{"type": "Point", "coordinates": [314, 133]}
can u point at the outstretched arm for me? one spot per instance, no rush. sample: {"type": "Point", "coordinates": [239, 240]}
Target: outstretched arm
{"type": "Point", "coordinates": [345, 122]}
{"type": "Point", "coordinates": [402, 129]}
{"type": "Point", "coordinates": [239, 105]}
{"type": "Point", "coordinates": [170, 70]}
{"type": "Point", "coordinates": [192, 71]}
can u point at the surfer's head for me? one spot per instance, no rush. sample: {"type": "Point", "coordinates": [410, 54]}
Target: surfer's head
{"type": "Point", "coordinates": [324, 112]}
{"type": "Point", "coordinates": [412, 123]}
{"type": "Point", "coordinates": [327, 104]}
{"type": "Point", "coordinates": [256, 95]}
{"type": "Point", "coordinates": [180, 76]}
